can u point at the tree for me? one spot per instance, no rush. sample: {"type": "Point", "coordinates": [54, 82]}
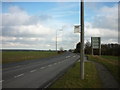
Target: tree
{"type": "Point", "coordinates": [88, 48]}
{"type": "Point", "coordinates": [77, 50]}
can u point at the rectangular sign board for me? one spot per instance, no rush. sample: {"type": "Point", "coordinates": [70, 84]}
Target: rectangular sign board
{"type": "Point", "coordinates": [95, 42]}
{"type": "Point", "coordinates": [77, 29]}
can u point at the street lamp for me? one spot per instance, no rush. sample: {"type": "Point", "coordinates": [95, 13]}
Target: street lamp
{"type": "Point", "coordinates": [57, 38]}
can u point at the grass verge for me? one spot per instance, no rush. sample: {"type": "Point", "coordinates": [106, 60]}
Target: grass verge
{"type": "Point", "coordinates": [71, 79]}
{"type": "Point", "coordinates": [110, 57]}
{"type": "Point", "coordinates": [110, 62]}
{"type": "Point", "coordinates": [16, 56]}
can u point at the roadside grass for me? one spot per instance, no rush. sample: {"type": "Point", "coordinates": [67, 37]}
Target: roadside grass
{"type": "Point", "coordinates": [71, 79]}
{"type": "Point", "coordinates": [16, 56]}
{"type": "Point", "coordinates": [110, 57]}
{"type": "Point", "coordinates": [110, 62]}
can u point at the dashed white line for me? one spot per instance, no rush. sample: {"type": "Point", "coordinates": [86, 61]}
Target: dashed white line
{"type": "Point", "coordinates": [49, 65]}
{"type": "Point", "coordinates": [42, 67]}
{"type": "Point", "coordinates": [19, 75]}
{"type": "Point", "coordinates": [33, 71]}
{"type": "Point", "coordinates": [59, 62]}
{"type": "Point", "coordinates": [55, 63]}
{"type": "Point", "coordinates": [1, 81]}
{"type": "Point", "coordinates": [67, 56]}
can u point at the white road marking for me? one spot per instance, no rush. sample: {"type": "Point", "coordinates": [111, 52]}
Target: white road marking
{"type": "Point", "coordinates": [55, 63]}
{"type": "Point", "coordinates": [42, 67]}
{"type": "Point", "coordinates": [19, 75]}
{"type": "Point", "coordinates": [59, 62]}
{"type": "Point", "coordinates": [67, 56]}
{"type": "Point", "coordinates": [49, 65]}
{"type": "Point", "coordinates": [33, 71]}
{"type": "Point", "coordinates": [74, 56]}
{"type": "Point", "coordinates": [1, 81]}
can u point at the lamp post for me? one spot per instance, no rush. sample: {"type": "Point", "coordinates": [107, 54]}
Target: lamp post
{"type": "Point", "coordinates": [57, 38]}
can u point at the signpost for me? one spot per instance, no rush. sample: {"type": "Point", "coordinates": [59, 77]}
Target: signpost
{"type": "Point", "coordinates": [96, 44]}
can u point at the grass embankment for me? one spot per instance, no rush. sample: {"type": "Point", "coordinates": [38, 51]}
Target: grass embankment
{"type": "Point", "coordinates": [71, 79]}
{"type": "Point", "coordinates": [16, 56]}
{"type": "Point", "coordinates": [110, 62]}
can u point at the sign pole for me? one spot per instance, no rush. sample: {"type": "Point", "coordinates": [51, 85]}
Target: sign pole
{"type": "Point", "coordinates": [92, 51]}
{"type": "Point", "coordinates": [100, 46]}
{"type": "Point", "coordinates": [91, 46]}
{"type": "Point", "coordinates": [82, 42]}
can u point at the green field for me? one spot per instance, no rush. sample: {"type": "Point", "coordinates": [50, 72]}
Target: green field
{"type": "Point", "coordinates": [110, 62]}
{"type": "Point", "coordinates": [71, 79]}
{"type": "Point", "coordinates": [16, 56]}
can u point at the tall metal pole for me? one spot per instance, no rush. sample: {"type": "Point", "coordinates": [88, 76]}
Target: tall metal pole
{"type": "Point", "coordinates": [92, 46]}
{"type": "Point", "coordinates": [82, 41]}
{"type": "Point", "coordinates": [61, 36]}
{"type": "Point", "coordinates": [56, 40]}
{"type": "Point", "coordinates": [99, 46]}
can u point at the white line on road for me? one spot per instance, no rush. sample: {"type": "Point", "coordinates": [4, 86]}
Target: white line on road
{"type": "Point", "coordinates": [33, 71]}
{"type": "Point", "coordinates": [59, 62]}
{"type": "Point", "coordinates": [19, 75]}
{"type": "Point", "coordinates": [55, 63]}
{"type": "Point", "coordinates": [1, 81]}
{"type": "Point", "coordinates": [49, 65]}
{"type": "Point", "coordinates": [42, 67]}
{"type": "Point", "coordinates": [67, 56]}
{"type": "Point", "coordinates": [74, 56]}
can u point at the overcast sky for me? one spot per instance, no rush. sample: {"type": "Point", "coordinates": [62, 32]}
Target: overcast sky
{"type": "Point", "coordinates": [33, 25]}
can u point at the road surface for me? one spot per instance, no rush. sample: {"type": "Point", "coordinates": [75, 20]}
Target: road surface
{"type": "Point", "coordinates": [36, 73]}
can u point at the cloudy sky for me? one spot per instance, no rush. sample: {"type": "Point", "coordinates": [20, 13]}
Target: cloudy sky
{"type": "Point", "coordinates": [33, 25]}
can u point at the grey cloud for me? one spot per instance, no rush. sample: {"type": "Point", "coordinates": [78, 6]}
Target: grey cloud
{"type": "Point", "coordinates": [105, 22]}
{"type": "Point", "coordinates": [17, 16]}
{"type": "Point", "coordinates": [11, 31]}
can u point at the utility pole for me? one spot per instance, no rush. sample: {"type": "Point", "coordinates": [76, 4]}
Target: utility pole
{"type": "Point", "coordinates": [82, 42]}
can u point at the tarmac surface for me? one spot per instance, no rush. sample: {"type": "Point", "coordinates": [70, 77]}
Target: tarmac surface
{"type": "Point", "coordinates": [36, 73]}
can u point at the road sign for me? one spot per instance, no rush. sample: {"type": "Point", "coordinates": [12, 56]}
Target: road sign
{"type": "Point", "coordinates": [77, 29]}
{"type": "Point", "coordinates": [96, 44]}
{"type": "Point", "coordinates": [95, 41]}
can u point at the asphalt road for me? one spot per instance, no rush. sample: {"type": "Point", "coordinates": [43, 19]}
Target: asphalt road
{"type": "Point", "coordinates": [36, 73]}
